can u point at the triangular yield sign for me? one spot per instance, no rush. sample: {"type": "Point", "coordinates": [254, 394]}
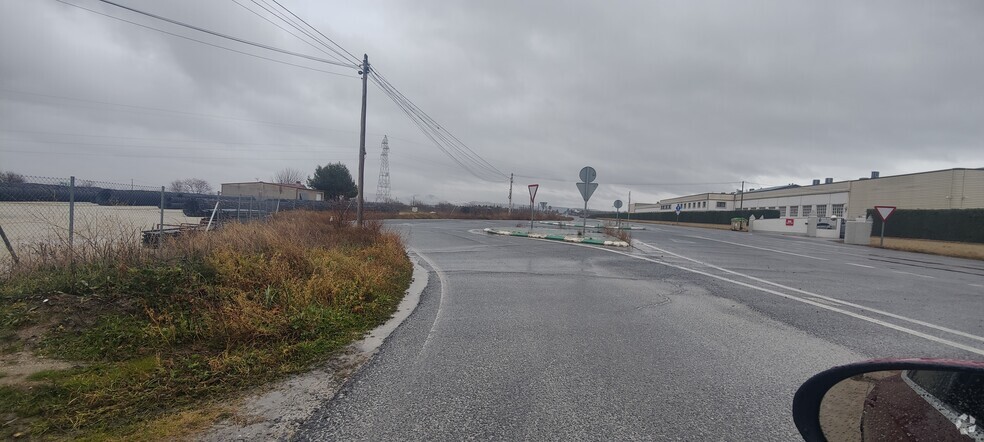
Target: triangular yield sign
{"type": "Point", "coordinates": [533, 188]}
{"type": "Point", "coordinates": [586, 189]}
{"type": "Point", "coordinates": [885, 211]}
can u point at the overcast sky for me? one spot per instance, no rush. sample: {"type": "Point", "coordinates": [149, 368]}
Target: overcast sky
{"type": "Point", "coordinates": [662, 98]}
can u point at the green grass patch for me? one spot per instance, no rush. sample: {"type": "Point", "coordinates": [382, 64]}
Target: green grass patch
{"type": "Point", "coordinates": [156, 336]}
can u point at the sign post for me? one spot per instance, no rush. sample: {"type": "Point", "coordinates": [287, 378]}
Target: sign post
{"type": "Point", "coordinates": [884, 212]}
{"type": "Point", "coordinates": [678, 208]}
{"type": "Point", "coordinates": [586, 187]}
{"type": "Point", "coordinates": [533, 188]}
{"type": "Point", "coordinates": [618, 205]}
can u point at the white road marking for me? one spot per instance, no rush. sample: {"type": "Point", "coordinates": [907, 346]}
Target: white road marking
{"type": "Point", "coordinates": [976, 285]}
{"type": "Point", "coordinates": [827, 298]}
{"type": "Point", "coordinates": [913, 274]}
{"type": "Point", "coordinates": [806, 301]}
{"type": "Point", "coordinates": [680, 241]}
{"type": "Point", "coordinates": [859, 265]}
{"type": "Point", "coordinates": [759, 248]}
{"type": "Point", "coordinates": [440, 304]}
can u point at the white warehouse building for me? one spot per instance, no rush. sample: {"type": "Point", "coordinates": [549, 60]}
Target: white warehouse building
{"type": "Point", "coordinates": [940, 189]}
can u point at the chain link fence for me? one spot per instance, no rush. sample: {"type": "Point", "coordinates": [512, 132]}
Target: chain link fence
{"type": "Point", "coordinates": [46, 219]}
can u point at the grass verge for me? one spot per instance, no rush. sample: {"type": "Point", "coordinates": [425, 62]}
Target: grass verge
{"type": "Point", "coordinates": [153, 337]}
{"type": "Point", "coordinates": [945, 248]}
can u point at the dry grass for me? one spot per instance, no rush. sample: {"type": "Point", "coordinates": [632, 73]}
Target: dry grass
{"type": "Point", "coordinates": [153, 334]}
{"type": "Point", "coordinates": [945, 248]}
{"type": "Point", "coordinates": [622, 235]}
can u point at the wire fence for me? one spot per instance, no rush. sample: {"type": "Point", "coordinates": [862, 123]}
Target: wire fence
{"type": "Point", "coordinates": [55, 221]}
{"type": "Point", "coordinates": [43, 218]}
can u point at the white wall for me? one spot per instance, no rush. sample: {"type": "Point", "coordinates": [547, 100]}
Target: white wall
{"type": "Point", "coordinates": [779, 225]}
{"type": "Point", "coordinates": [828, 199]}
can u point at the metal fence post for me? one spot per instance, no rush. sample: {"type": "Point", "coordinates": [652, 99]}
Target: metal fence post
{"type": "Point", "coordinates": [160, 232]}
{"type": "Point", "coordinates": [71, 214]}
{"type": "Point", "coordinates": [239, 206]}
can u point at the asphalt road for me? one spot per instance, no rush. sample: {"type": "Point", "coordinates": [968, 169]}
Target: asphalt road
{"type": "Point", "coordinates": [692, 334]}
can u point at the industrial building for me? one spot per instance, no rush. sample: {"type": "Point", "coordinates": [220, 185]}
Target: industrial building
{"type": "Point", "coordinates": [272, 191]}
{"type": "Point", "coordinates": [940, 189]}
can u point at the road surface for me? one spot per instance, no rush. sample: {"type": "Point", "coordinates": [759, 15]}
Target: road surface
{"type": "Point", "coordinates": [692, 334]}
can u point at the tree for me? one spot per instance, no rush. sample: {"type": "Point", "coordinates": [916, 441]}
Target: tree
{"type": "Point", "coordinates": [190, 185]}
{"type": "Point", "coordinates": [11, 178]}
{"type": "Point", "coordinates": [335, 180]}
{"type": "Point", "coordinates": [288, 175]}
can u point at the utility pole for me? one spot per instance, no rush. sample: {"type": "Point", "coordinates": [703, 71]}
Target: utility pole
{"type": "Point", "coordinates": [362, 142]}
{"type": "Point", "coordinates": [510, 193]}
{"type": "Point", "coordinates": [741, 204]}
{"type": "Point", "coordinates": [628, 211]}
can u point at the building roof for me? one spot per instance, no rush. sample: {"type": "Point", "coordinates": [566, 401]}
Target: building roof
{"type": "Point", "coordinates": [295, 186]}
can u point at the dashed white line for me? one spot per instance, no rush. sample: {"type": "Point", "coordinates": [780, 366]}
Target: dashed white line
{"type": "Point", "coordinates": [760, 248]}
{"type": "Point", "coordinates": [859, 265]}
{"type": "Point", "coordinates": [913, 274]}
{"type": "Point", "coordinates": [976, 285]}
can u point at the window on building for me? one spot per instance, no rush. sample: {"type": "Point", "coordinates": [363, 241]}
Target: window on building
{"type": "Point", "coordinates": [782, 211]}
{"type": "Point", "coordinates": [772, 208]}
{"type": "Point", "coordinates": [837, 210]}
{"type": "Point", "coordinates": [721, 204]}
{"type": "Point", "coordinates": [807, 210]}
{"type": "Point", "coordinates": [821, 210]}
{"type": "Point", "coordinates": [794, 210]}
{"type": "Point", "coordinates": [704, 204]}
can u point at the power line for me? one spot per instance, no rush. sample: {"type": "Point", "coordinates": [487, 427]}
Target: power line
{"type": "Point", "coordinates": [226, 36]}
{"type": "Point", "coordinates": [172, 111]}
{"type": "Point", "coordinates": [444, 140]}
{"type": "Point", "coordinates": [464, 148]}
{"type": "Point", "coordinates": [203, 42]}
{"type": "Point", "coordinates": [144, 146]}
{"type": "Point", "coordinates": [236, 158]}
{"type": "Point", "coordinates": [164, 140]}
{"type": "Point", "coordinates": [283, 28]}
{"type": "Point", "coordinates": [356, 59]}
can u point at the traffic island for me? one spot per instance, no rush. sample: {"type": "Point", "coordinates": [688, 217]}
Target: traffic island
{"type": "Point", "coordinates": [558, 237]}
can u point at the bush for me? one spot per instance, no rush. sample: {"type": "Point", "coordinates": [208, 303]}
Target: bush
{"type": "Point", "coordinates": [703, 217]}
{"type": "Point", "coordinates": [962, 225]}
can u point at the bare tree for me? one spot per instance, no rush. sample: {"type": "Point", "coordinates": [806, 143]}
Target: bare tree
{"type": "Point", "coordinates": [178, 186]}
{"type": "Point", "coordinates": [288, 175]}
{"type": "Point", "coordinates": [190, 185]}
{"type": "Point", "coordinates": [11, 177]}
{"type": "Point", "coordinates": [198, 185]}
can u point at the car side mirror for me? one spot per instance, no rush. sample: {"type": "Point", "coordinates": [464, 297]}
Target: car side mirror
{"type": "Point", "coordinates": [893, 400]}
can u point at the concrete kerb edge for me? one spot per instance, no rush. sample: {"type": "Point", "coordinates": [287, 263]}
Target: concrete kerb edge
{"type": "Point", "coordinates": [574, 239]}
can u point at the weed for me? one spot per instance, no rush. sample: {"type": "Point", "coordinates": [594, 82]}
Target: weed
{"type": "Point", "coordinates": [156, 334]}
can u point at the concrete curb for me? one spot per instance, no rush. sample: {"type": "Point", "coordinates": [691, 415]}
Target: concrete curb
{"type": "Point", "coordinates": [576, 239]}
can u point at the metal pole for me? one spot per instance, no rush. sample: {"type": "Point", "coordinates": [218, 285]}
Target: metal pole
{"type": "Point", "coordinates": [212, 218]}
{"type": "Point", "coordinates": [741, 203]}
{"type": "Point", "coordinates": [883, 234]}
{"type": "Point", "coordinates": [10, 248]}
{"type": "Point", "coordinates": [71, 213]}
{"type": "Point", "coordinates": [239, 205]}
{"type": "Point", "coordinates": [160, 232]}
{"type": "Point", "coordinates": [616, 218]}
{"type": "Point", "coordinates": [584, 217]}
{"type": "Point", "coordinates": [362, 141]}
{"type": "Point", "coordinates": [628, 210]}
{"type": "Point", "coordinates": [510, 193]}
{"type": "Point", "coordinates": [532, 211]}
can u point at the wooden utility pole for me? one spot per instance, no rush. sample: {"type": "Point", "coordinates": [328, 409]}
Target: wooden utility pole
{"type": "Point", "coordinates": [362, 143]}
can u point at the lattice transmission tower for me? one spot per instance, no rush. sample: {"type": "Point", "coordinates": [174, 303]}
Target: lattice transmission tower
{"type": "Point", "coordinates": [383, 187]}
